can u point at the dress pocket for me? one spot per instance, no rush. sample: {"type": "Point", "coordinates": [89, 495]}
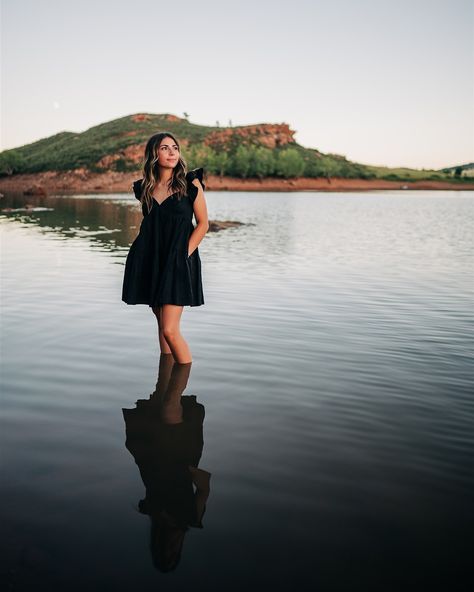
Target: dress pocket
{"type": "Point", "coordinates": [190, 273]}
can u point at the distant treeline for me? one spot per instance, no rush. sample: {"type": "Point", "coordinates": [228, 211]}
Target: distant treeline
{"type": "Point", "coordinates": [259, 162]}
{"type": "Point", "coordinates": [244, 162]}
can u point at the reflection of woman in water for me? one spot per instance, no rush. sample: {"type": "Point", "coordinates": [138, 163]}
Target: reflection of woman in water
{"type": "Point", "coordinates": [165, 436]}
{"type": "Point", "coordinates": [163, 266]}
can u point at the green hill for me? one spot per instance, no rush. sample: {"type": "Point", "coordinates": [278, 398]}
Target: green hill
{"type": "Point", "coordinates": [253, 151]}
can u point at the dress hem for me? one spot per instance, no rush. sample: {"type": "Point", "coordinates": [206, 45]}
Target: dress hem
{"type": "Point", "coordinates": [160, 304]}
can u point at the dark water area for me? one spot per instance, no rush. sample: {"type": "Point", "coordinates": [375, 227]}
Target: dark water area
{"type": "Point", "coordinates": [321, 439]}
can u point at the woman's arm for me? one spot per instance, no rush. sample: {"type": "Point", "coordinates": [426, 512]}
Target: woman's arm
{"type": "Point", "coordinates": [200, 211]}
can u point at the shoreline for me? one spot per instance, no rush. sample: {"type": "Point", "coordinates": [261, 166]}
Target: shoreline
{"type": "Point", "coordinates": [82, 181]}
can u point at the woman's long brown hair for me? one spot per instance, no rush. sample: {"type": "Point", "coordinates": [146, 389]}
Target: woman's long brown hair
{"type": "Point", "coordinates": [151, 171]}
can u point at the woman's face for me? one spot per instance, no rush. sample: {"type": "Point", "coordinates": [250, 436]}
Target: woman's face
{"type": "Point", "coordinates": [168, 153]}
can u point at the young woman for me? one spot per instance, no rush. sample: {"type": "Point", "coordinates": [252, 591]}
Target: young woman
{"type": "Point", "coordinates": [163, 267]}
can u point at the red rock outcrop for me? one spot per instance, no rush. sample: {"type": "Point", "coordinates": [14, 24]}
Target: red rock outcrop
{"type": "Point", "coordinates": [268, 135]}
{"type": "Point", "coordinates": [135, 152]}
{"type": "Point", "coordinates": [173, 118]}
{"type": "Point", "coordinates": [140, 117]}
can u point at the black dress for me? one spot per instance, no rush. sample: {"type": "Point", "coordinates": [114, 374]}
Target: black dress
{"type": "Point", "coordinates": [158, 270]}
{"type": "Point", "coordinates": [164, 454]}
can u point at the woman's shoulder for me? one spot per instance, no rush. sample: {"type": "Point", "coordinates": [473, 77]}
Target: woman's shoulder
{"type": "Point", "coordinates": [137, 188]}
{"type": "Point", "coordinates": [196, 174]}
{"type": "Point", "coordinates": [192, 189]}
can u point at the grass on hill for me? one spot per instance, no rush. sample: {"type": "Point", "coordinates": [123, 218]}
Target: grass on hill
{"type": "Point", "coordinates": [242, 156]}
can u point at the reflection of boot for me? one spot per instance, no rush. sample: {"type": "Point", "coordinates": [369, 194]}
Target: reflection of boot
{"type": "Point", "coordinates": [171, 410]}
{"type": "Point", "coordinates": [178, 379]}
{"type": "Point", "coordinates": [164, 372]}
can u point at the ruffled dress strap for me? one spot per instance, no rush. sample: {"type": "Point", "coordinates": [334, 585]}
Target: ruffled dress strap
{"type": "Point", "coordinates": [190, 176]}
{"type": "Point", "coordinates": [137, 188]}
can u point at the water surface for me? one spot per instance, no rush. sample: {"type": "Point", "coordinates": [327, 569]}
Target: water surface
{"type": "Point", "coordinates": [332, 357]}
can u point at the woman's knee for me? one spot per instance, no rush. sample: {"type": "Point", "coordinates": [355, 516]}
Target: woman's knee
{"type": "Point", "coordinates": [170, 332]}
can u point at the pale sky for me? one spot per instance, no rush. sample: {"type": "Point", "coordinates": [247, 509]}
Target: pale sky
{"type": "Point", "coordinates": [380, 81]}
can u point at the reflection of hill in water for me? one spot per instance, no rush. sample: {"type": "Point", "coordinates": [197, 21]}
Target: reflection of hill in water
{"type": "Point", "coordinates": [110, 224]}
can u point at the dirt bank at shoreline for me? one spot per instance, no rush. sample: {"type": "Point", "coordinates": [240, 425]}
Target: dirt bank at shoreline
{"type": "Point", "coordinates": [82, 181]}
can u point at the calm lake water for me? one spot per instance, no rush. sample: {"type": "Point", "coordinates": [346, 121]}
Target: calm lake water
{"type": "Point", "coordinates": [332, 361]}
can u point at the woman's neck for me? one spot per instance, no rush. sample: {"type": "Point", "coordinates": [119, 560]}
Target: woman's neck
{"type": "Point", "coordinates": [165, 177]}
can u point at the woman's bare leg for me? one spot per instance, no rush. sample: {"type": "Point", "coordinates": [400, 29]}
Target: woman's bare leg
{"type": "Point", "coordinates": [170, 317]}
{"type": "Point", "coordinates": [158, 312]}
